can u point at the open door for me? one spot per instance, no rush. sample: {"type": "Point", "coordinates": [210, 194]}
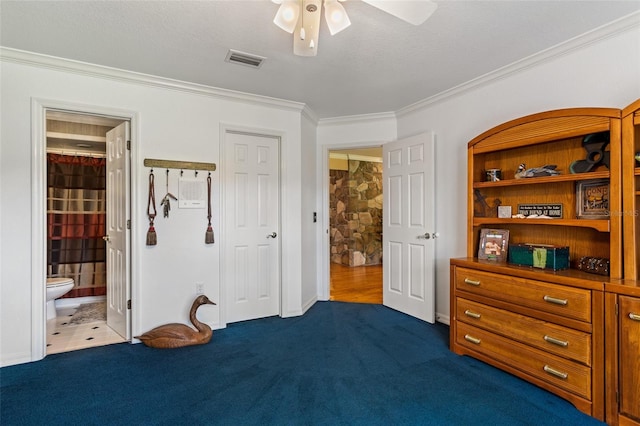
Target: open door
{"type": "Point", "coordinates": [409, 226]}
{"type": "Point", "coordinates": [118, 285]}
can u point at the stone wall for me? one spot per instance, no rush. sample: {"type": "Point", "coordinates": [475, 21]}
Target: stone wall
{"type": "Point", "coordinates": [355, 202]}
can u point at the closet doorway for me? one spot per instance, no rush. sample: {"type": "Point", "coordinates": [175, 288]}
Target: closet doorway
{"type": "Point", "coordinates": [87, 227]}
{"type": "Point", "coordinates": [355, 225]}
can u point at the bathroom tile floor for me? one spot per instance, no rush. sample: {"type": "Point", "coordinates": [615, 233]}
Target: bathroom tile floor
{"type": "Point", "coordinates": [65, 337]}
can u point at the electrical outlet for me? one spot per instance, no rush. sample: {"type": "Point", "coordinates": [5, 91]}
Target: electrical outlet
{"type": "Point", "coordinates": [199, 288]}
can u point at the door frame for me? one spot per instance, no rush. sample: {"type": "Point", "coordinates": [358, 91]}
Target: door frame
{"type": "Point", "coordinates": [260, 132]}
{"type": "Point", "coordinates": [39, 109]}
{"type": "Point", "coordinates": [324, 291]}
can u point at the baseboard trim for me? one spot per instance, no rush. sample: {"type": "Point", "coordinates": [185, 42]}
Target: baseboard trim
{"type": "Point", "coordinates": [444, 319]}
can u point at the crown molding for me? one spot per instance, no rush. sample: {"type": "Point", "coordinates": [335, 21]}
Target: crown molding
{"type": "Point", "coordinates": [357, 119]}
{"type": "Point", "coordinates": [310, 115]}
{"type": "Point", "coordinates": [101, 71]}
{"type": "Point", "coordinates": [603, 32]}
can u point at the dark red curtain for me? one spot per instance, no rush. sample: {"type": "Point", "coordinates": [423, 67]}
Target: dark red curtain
{"type": "Point", "coordinates": [76, 212]}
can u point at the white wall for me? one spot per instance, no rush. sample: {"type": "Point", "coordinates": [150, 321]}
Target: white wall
{"type": "Point", "coordinates": [179, 123]}
{"type": "Point", "coordinates": [309, 228]}
{"type": "Point", "coordinates": [599, 70]}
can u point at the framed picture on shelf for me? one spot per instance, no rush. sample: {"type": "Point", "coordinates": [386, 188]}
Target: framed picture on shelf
{"type": "Point", "coordinates": [494, 244]}
{"type": "Point", "coordinates": [592, 199]}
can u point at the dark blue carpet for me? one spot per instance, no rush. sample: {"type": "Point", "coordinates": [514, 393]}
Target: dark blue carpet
{"type": "Point", "coordinates": [339, 364]}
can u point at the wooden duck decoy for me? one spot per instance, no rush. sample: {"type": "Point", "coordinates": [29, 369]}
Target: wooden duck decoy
{"type": "Point", "coordinates": [546, 170]}
{"type": "Point", "coordinates": [178, 335]}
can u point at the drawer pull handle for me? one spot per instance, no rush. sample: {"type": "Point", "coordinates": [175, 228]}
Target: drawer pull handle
{"type": "Point", "coordinates": [471, 339]}
{"type": "Point", "coordinates": [555, 341]}
{"type": "Point", "coordinates": [472, 282]}
{"type": "Point", "coordinates": [556, 301]}
{"type": "Point", "coordinates": [472, 314]}
{"type": "Point", "coordinates": [555, 372]}
{"type": "Point", "coordinates": [635, 317]}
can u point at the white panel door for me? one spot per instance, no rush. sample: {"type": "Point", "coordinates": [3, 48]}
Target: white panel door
{"type": "Point", "coordinates": [118, 289]}
{"type": "Point", "coordinates": [409, 226]}
{"type": "Point", "coordinates": [252, 226]}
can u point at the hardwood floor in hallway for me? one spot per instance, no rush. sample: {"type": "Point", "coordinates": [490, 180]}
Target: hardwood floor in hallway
{"type": "Point", "coordinates": [359, 284]}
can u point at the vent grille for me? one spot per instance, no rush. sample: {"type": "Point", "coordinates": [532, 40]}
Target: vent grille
{"type": "Point", "coordinates": [246, 59]}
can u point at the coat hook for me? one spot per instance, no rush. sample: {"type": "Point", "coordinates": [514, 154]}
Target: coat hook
{"type": "Point", "coordinates": [181, 172]}
{"type": "Point", "coordinates": [196, 173]}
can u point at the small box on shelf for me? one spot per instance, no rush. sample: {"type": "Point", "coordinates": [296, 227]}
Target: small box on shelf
{"type": "Point", "coordinates": [541, 256]}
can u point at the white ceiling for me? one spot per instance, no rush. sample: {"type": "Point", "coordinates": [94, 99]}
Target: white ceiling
{"type": "Point", "coordinates": [378, 64]}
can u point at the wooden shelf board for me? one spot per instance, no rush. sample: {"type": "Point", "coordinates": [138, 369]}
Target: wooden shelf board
{"type": "Point", "coordinates": [545, 179]}
{"type": "Point", "coordinates": [600, 225]}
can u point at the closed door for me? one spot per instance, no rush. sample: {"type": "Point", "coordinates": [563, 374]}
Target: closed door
{"type": "Point", "coordinates": [118, 293]}
{"type": "Point", "coordinates": [251, 264]}
{"type": "Point", "coordinates": [409, 226]}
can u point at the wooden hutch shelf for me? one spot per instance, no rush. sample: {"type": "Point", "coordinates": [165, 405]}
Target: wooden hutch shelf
{"type": "Point", "coordinates": [512, 316]}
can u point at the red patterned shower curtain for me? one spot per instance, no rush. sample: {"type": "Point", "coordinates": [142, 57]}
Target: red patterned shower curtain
{"type": "Point", "coordinates": [76, 212]}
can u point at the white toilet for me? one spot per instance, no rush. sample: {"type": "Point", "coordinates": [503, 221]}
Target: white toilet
{"type": "Point", "coordinates": [56, 287]}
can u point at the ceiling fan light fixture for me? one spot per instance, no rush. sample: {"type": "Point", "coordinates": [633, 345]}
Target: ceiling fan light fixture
{"type": "Point", "coordinates": [336, 16]}
{"type": "Point", "coordinates": [287, 16]}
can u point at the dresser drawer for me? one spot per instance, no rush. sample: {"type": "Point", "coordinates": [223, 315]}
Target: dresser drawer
{"type": "Point", "coordinates": [543, 335]}
{"type": "Point", "coordinates": [566, 301]}
{"type": "Point", "coordinates": [560, 372]}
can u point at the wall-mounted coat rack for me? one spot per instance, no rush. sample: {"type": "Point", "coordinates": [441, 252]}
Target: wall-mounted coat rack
{"type": "Point", "coordinates": [183, 165]}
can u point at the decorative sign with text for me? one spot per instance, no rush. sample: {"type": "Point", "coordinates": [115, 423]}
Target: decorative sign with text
{"type": "Point", "coordinates": [551, 210]}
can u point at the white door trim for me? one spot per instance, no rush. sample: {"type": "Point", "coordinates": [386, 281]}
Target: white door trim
{"type": "Point", "coordinates": [38, 209]}
{"type": "Point", "coordinates": [284, 289]}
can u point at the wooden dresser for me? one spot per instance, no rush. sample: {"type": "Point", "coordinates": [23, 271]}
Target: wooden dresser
{"type": "Point", "coordinates": [546, 329]}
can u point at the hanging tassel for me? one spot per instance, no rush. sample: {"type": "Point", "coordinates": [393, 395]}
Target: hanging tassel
{"type": "Point", "coordinates": [152, 238]}
{"type": "Point", "coordinates": [208, 237]}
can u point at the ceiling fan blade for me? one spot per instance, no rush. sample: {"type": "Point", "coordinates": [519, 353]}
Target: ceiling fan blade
{"type": "Point", "coordinates": [412, 11]}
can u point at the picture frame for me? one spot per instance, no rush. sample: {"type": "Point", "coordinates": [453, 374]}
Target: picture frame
{"type": "Point", "coordinates": [494, 244]}
{"type": "Point", "coordinates": [592, 199]}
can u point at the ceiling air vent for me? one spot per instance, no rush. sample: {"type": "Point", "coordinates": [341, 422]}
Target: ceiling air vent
{"type": "Point", "coordinates": [246, 59]}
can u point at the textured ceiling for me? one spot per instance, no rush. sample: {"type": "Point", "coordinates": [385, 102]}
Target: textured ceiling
{"type": "Point", "coordinates": [378, 64]}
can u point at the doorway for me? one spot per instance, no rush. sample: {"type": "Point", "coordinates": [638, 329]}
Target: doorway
{"type": "Point", "coordinates": [84, 152]}
{"type": "Point", "coordinates": [355, 225]}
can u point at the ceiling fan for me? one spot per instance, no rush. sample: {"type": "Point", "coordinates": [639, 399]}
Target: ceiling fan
{"type": "Point", "coordinates": [302, 18]}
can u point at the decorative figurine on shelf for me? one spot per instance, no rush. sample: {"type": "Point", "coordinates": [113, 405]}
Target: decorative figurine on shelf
{"type": "Point", "coordinates": [595, 145]}
{"type": "Point", "coordinates": [178, 335]}
{"type": "Point", "coordinates": [546, 170]}
{"type": "Point", "coordinates": [482, 208]}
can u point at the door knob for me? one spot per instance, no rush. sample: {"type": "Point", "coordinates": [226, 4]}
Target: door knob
{"type": "Point", "coordinates": [428, 236]}
{"type": "Point", "coordinates": [106, 238]}
{"type": "Point", "coordinates": [272, 235]}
